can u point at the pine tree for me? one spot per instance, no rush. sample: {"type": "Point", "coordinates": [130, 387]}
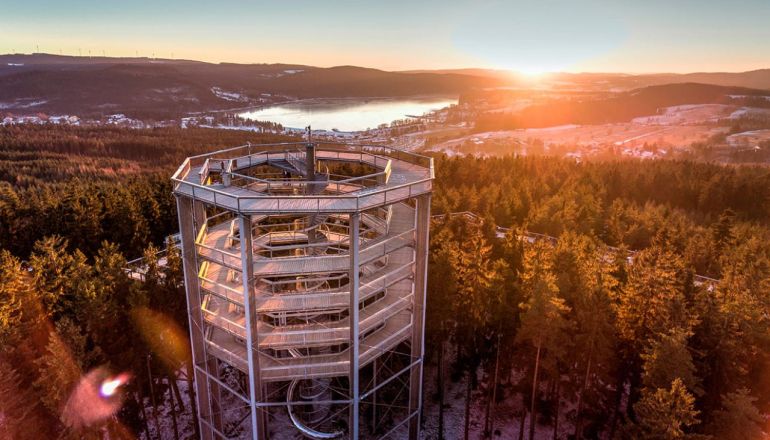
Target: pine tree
{"type": "Point", "coordinates": [172, 288]}
{"type": "Point", "coordinates": [76, 340]}
{"type": "Point", "coordinates": [722, 231]}
{"type": "Point", "coordinates": [106, 310]}
{"type": "Point", "coordinates": [653, 301]}
{"type": "Point", "coordinates": [733, 335]}
{"type": "Point", "coordinates": [665, 413]}
{"type": "Point", "coordinates": [499, 323]}
{"type": "Point", "coordinates": [474, 297]}
{"type": "Point", "coordinates": [17, 406]}
{"type": "Point", "coordinates": [109, 271]}
{"type": "Point", "coordinates": [58, 373]}
{"type": "Point", "coordinates": [543, 322]}
{"type": "Point", "coordinates": [668, 358]}
{"type": "Point", "coordinates": [594, 338]}
{"type": "Point", "coordinates": [739, 418]}
{"type": "Point", "coordinates": [64, 279]}
{"type": "Point", "coordinates": [441, 290]}
{"type": "Point", "coordinates": [12, 288]}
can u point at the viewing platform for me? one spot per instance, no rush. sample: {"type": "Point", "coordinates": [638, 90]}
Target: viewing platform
{"type": "Point", "coordinates": [401, 175]}
{"type": "Point", "coordinates": [305, 269]}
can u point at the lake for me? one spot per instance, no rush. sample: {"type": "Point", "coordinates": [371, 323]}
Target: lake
{"type": "Point", "coordinates": [347, 114]}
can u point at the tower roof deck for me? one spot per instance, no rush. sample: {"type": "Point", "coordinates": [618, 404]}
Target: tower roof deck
{"type": "Point", "coordinates": [400, 175]}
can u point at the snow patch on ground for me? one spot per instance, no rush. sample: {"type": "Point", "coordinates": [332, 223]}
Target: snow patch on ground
{"type": "Point", "coordinates": [766, 98]}
{"type": "Point", "coordinates": [748, 138]}
{"type": "Point", "coordinates": [750, 112]}
{"type": "Point", "coordinates": [161, 425]}
{"type": "Point", "coordinates": [554, 128]}
{"type": "Point", "coordinates": [505, 415]}
{"type": "Point", "coordinates": [687, 114]}
{"type": "Point", "coordinates": [22, 103]}
{"type": "Point", "coordinates": [229, 96]}
{"type": "Point", "coordinates": [739, 113]}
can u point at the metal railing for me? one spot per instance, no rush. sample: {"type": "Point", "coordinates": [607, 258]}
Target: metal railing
{"type": "Point", "coordinates": [364, 199]}
{"type": "Point", "coordinates": [204, 173]}
{"type": "Point", "coordinates": [379, 156]}
{"type": "Point", "coordinates": [296, 159]}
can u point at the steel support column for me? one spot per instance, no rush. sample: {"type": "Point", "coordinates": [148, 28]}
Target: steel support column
{"type": "Point", "coordinates": [258, 427]}
{"type": "Point", "coordinates": [418, 312]}
{"type": "Point", "coordinates": [354, 324]}
{"type": "Point", "coordinates": [212, 363]}
{"type": "Point", "coordinates": [185, 212]}
{"type": "Point", "coordinates": [374, 394]}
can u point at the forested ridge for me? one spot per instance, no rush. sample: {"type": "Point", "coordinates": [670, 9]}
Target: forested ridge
{"type": "Point", "coordinates": [591, 341]}
{"type": "Point", "coordinates": [93, 184]}
{"type": "Point", "coordinates": [594, 344]}
{"type": "Point", "coordinates": [610, 108]}
{"type": "Point", "coordinates": [163, 89]}
{"type": "Point", "coordinates": [67, 306]}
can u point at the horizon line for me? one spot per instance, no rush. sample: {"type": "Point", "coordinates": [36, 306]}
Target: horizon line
{"type": "Point", "coordinates": [409, 70]}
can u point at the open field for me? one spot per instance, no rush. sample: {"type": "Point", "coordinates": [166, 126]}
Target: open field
{"type": "Point", "coordinates": [689, 114]}
{"type": "Point", "coordinates": [697, 114]}
{"type": "Point", "coordinates": [623, 136]}
{"type": "Point", "coordinates": [748, 138]}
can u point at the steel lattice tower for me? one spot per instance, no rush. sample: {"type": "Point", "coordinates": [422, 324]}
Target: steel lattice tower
{"type": "Point", "coordinates": [305, 267]}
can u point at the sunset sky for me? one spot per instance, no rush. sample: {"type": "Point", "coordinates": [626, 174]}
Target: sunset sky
{"type": "Point", "coordinates": [529, 36]}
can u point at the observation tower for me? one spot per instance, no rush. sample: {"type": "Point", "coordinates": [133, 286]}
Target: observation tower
{"type": "Point", "coordinates": [305, 268]}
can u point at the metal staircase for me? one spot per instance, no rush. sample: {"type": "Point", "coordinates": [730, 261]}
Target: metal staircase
{"type": "Point", "coordinates": [304, 282]}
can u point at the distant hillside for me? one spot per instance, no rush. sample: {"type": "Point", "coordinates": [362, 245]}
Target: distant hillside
{"type": "Point", "coordinates": [358, 81]}
{"type": "Point", "coordinates": [502, 75]}
{"type": "Point", "coordinates": [757, 79]}
{"type": "Point", "coordinates": [106, 89]}
{"type": "Point", "coordinates": [620, 107]}
{"type": "Point", "coordinates": [161, 88]}
{"type": "Point", "coordinates": [158, 88]}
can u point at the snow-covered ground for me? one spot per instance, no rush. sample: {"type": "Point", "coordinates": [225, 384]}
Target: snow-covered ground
{"type": "Point", "coordinates": [161, 425]}
{"type": "Point", "coordinates": [748, 138]}
{"type": "Point", "coordinates": [696, 114]}
{"type": "Point", "coordinates": [688, 114]}
{"type": "Point", "coordinates": [766, 98]}
{"type": "Point", "coordinates": [586, 139]}
{"type": "Point", "coordinates": [22, 104]}
{"type": "Point", "coordinates": [229, 96]}
{"type": "Point", "coordinates": [505, 415]}
{"type": "Point", "coordinates": [750, 112]}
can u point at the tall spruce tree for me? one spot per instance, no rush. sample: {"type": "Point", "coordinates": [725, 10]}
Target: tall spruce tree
{"type": "Point", "coordinates": [474, 300]}
{"type": "Point", "coordinates": [665, 413]}
{"type": "Point", "coordinates": [739, 418]}
{"type": "Point", "coordinates": [543, 322]}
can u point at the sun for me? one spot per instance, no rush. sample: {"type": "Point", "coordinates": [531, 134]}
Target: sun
{"type": "Point", "coordinates": [531, 71]}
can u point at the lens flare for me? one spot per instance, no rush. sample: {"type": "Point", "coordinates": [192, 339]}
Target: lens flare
{"type": "Point", "coordinates": [109, 387]}
{"type": "Point", "coordinates": [164, 336]}
{"type": "Point", "coordinates": [96, 398]}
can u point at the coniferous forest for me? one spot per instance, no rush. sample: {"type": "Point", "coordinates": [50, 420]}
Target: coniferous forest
{"type": "Point", "coordinates": [602, 332]}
